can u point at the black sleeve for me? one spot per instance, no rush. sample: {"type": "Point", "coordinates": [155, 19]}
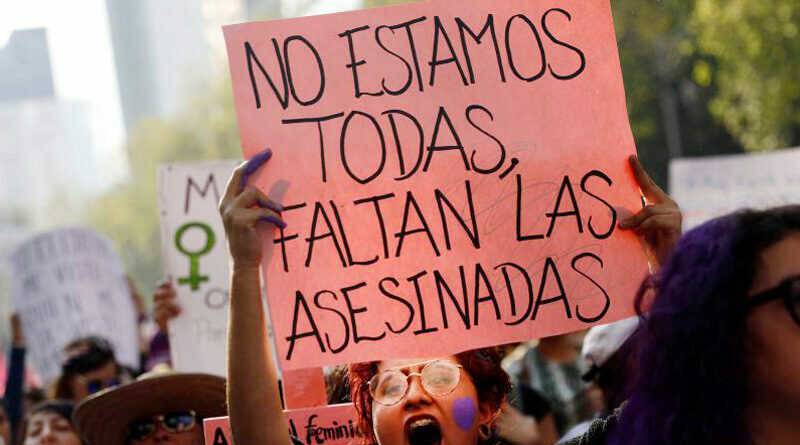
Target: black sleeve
{"type": "Point", "coordinates": [532, 403]}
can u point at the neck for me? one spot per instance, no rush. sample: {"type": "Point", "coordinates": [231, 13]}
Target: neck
{"type": "Point", "coordinates": [773, 425]}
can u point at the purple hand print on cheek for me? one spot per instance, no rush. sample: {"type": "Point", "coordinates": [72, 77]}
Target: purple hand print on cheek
{"type": "Point", "coordinates": [464, 412]}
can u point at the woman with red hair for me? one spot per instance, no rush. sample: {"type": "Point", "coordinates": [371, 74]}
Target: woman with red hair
{"type": "Point", "coordinates": [454, 401]}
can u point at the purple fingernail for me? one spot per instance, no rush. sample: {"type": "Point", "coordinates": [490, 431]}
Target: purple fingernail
{"type": "Point", "coordinates": [274, 220]}
{"type": "Point", "coordinates": [464, 412]}
{"type": "Point", "coordinates": [254, 163]}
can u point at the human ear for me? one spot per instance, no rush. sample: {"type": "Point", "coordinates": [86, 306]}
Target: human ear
{"type": "Point", "coordinates": [487, 413]}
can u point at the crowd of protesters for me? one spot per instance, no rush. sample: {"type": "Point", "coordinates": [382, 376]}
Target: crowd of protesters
{"type": "Point", "coordinates": [711, 359]}
{"type": "Point", "coordinates": [98, 400]}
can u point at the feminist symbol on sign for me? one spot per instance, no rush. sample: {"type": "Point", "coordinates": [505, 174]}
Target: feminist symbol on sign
{"type": "Point", "coordinates": [194, 279]}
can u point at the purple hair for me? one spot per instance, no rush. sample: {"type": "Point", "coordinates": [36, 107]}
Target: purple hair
{"type": "Point", "coordinates": [693, 383]}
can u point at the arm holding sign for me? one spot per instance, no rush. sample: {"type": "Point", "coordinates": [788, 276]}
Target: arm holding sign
{"type": "Point", "coordinates": [165, 309]}
{"type": "Point", "coordinates": [166, 306]}
{"type": "Point", "coordinates": [15, 375]}
{"type": "Point", "coordinates": [253, 398]}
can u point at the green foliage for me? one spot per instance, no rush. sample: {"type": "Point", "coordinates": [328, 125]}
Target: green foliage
{"type": "Point", "coordinates": [129, 213]}
{"type": "Point", "coordinates": [756, 45]}
{"type": "Point", "coordinates": [667, 77]}
{"type": "Point", "coordinates": [373, 3]}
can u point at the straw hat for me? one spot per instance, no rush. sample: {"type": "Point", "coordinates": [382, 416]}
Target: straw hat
{"type": "Point", "coordinates": [103, 418]}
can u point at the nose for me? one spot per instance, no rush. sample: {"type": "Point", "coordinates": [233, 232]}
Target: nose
{"type": "Point", "coordinates": [416, 394]}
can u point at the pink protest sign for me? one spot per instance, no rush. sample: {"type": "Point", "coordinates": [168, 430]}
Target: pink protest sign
{"type": "Point", "coordinates": [331, 425]}
{"type": "Point", "coordinates": [452, 174]}
{"type": "Point", "coordinates": [217, 431]}
{"type": "Point", "coordinates": [304, 388]}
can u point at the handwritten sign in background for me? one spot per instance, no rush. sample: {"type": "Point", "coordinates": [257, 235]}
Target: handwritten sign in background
{"type": "Point", "coordinates": [715, 185]}
{"type": "Point", "coordinates": [451, 174]}
{"type": "Point", "coordinates": [196, 259]}
{"type": "Point", "coordinates": [67, 284]}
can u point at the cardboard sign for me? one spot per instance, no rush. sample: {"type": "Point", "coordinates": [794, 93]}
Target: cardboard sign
{"type": "Point", "coordinates": [196, 259]}
{"type": "Point", "coordinates": [304, 388]}
{"type": "Point", "coordinates": [67, 284]}
{"type": "Point", "coordinates": [329, 425]}
{"type": "Point", "coordinates": [451, 174]}
{"type": "Point", "coordinates": [713, 186]}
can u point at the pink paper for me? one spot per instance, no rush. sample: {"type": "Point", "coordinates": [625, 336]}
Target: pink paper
{"type": "Point", "coordinates": [304, 388]}
{"type": "Point", "coordinates": [523, 162]}
{"type": "Point", "coordinates": [331, 425]}
{"type": "Point", "coordinates": [217, 431]}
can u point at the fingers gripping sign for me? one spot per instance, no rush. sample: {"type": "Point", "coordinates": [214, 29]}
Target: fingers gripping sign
{"type": "Point", "coordinates": [243, 208]}
{"type": "Point", "coordinates": [659, 222]}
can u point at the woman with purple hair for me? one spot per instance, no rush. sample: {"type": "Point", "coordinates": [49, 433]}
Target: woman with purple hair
{"type": "Point", "coordinates": [719, 357]}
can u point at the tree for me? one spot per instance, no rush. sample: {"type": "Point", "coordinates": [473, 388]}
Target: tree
{"type": "Point", "coordinates": [667, 101]}
{"type": "Point", "coordinates": [756, 45]}
{"type": "Point", "coordinates": [129, 213]}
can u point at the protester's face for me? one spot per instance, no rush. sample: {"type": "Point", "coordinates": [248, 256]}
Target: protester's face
{"type": "Point", "coordinates": [84, 385]}
{"type": "Point", "coordinates": [774, 336]}
{"type": "Point", "coordinates": [161, 436]}
{"type": "Point", "coordinates": [456, 416]}
{"type": "Point", "coordinates": [46, 428]}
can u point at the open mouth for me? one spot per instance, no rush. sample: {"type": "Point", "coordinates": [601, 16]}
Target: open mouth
{"type": "Point", "coordinates": [424, 431]}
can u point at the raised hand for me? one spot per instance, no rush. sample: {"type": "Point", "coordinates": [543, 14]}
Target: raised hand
{"type": "Point", "coordinates": [165, 306]}
{"type": "Point", "coordinates": [659, 222]}
{"type": "Point", "coordinates": [243, 208]}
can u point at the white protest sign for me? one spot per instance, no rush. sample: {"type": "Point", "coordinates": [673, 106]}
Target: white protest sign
{"type": "Point", "coordinates": [67, 284]}
{"type": "Point", "coordinates": [196, 259]}
{"type": "Point", "coordinates": [712, 186]}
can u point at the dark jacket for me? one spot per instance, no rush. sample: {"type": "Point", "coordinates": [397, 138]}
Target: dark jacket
{"type": "Point", "coordinates": [598, 432]}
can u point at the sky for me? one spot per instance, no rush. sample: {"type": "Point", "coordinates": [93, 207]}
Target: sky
{"type": "Point", "coordinates": [83, 65]}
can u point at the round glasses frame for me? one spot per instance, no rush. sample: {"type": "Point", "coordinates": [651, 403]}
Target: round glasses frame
{"type": "Point", "coordinates": [371, 383]}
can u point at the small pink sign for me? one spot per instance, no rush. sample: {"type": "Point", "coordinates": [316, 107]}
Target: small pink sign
{"type": "Point", "coordinates": [329, 425]}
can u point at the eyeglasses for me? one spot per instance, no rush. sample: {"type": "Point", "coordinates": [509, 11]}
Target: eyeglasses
{"type": "Point", "coordinates": [175, 422]}
{"type": "Point", "coordinates": [96, 385]}
{"type": "Point", "coordinates": [438, 377]}
{"type": "Point", "coordinates": [788, 291]}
